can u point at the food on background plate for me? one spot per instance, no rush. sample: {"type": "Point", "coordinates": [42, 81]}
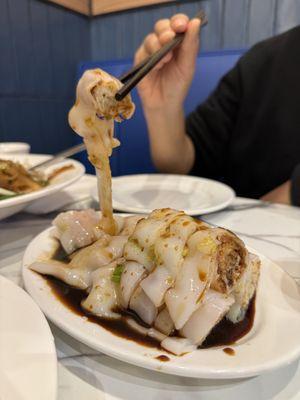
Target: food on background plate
{"type": "Point", "coordinates": [15, 179]}
{"type": "Point", "coordinates": [167, 275]}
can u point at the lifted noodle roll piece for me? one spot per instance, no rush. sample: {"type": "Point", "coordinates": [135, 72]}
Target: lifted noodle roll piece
{"type": "Point", "coordinates": [95, 93]}
{"type": "Point", "coordinates": [93, 117]}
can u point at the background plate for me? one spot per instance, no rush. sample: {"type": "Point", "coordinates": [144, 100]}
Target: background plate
{"type": "Point", "coordinates": [143, 193]}
{"type": "Point", "coordinates": [28, 368]}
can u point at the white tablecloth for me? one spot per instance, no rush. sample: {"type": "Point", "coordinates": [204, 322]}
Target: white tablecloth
{"type": "Point", "coordinates": [85, 374]}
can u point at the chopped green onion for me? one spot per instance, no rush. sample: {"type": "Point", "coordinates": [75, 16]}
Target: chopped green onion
{"type": "Point", "coordinates": [116, 276]}
{"type": "Point", "coordinates": [7, 196]}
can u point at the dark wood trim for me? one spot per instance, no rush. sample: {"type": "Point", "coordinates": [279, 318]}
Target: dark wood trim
{"type": "Point", "coordinates": [80, 6]}
{"type": "Point", "coordinates": [108, 6]}
{"type": "Point", "coordinates": [97, 7]}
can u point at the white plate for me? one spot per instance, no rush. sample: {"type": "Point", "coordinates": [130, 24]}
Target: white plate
{"type": "Point", "coordinates": [272, 342]}
{"type": "Point", "coordinates": [28, 368]}
{"type": "Point", "coordinates": [18, 203]}
{"type": "Point", "coordinates": [14, 147]}
{"type": "Point", "coordinates": [144, 193]}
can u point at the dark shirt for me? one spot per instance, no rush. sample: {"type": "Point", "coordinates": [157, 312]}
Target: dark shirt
{"type": "Point", "coordinates": [247, 133]}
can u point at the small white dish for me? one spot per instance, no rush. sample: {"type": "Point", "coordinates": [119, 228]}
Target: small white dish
{"type": "Point", "coordinates": [14, 147]}
{"type": "Point", "coordinates": [13, 205]}
{"type": "Point", "coordinates": [28, 366]}
{"type": "Point", "coordinates": [272, 342]}
{"type": "Point", "coordinates": [146, 192]}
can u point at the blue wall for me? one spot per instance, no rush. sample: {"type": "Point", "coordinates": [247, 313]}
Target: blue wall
{"type": "Point", "coordinates": [232, 24]}
{"type": "Point", "coordinates": [41, 45]}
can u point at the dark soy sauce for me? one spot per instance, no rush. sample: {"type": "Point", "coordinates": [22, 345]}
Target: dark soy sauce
{"type": "Point", "coordinates": [162, 358]}
{"type": "Point", "coordinates": [229, 351]}
{"type": "Point", "coordinates": [72, 299]}
{"type": "Point", "coordinates": [225, 333]}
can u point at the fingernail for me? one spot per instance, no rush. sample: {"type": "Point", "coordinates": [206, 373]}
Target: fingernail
{"type": "Point", "coordinates": [196, 22]}
{"type": "Point", "coordinates": [180, 23]}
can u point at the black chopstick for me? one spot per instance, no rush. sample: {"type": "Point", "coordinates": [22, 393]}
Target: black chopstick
{"type": "Point", "coordinates": [135, 74]}
{"type": "Point", "coordinates": [129, 74]}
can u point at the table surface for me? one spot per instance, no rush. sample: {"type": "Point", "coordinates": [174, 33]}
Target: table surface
{"type": "Point", "coordinates": [83, 373]}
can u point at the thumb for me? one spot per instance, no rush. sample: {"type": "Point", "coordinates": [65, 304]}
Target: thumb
{"type": "Point", "coordinates": [188, 50]}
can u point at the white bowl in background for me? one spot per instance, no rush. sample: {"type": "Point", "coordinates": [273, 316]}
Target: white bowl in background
{"type": "Point", "coordinates": [13, 205]}
{"type": "Point", "coordinates": [14, 147]}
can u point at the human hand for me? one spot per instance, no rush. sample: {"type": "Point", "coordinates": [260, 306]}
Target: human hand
{"type": "Point", "coordinates": [166, 86]}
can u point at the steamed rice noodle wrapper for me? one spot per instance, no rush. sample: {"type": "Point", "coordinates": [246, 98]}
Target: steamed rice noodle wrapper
{"type": "Point", "coordinates": [180, 276]}
{"type": "Point", "coordinates": [92, 117]}
{"type": "Point", "coordinates": [192, 279]}
{"type": "Point", "coordinates": [78, 271]}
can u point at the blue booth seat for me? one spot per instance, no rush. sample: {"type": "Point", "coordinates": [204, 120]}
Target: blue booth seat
{"type": "Point", "coordinates": [134, 155]}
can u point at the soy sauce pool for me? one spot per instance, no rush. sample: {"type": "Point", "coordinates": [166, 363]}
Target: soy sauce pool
{"type": "Point", "coordinates": [72, 299]}
{"type": "Point", "coordinates": [223, 334]}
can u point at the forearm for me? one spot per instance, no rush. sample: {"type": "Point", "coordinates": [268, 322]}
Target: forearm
{"type": "Point", "coordinates": [281, 194]}
{"type": "Point", "coordinates": [171, 149]}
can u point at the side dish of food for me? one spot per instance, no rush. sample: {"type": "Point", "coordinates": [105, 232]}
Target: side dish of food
{"type": "Point", "coordinates": [15, 179]}
{"type": "Point", "coordinates": [20, 185]}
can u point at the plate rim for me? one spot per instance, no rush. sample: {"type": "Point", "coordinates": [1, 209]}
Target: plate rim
{"type": "Point", "coordinates": [48, 190]}
{"type": "Point", "coordinates": [195, 211]}
{"type": "Point", "coordinates": [152, 364]}
{"type": "Point", "coordinates": [44, 321]}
